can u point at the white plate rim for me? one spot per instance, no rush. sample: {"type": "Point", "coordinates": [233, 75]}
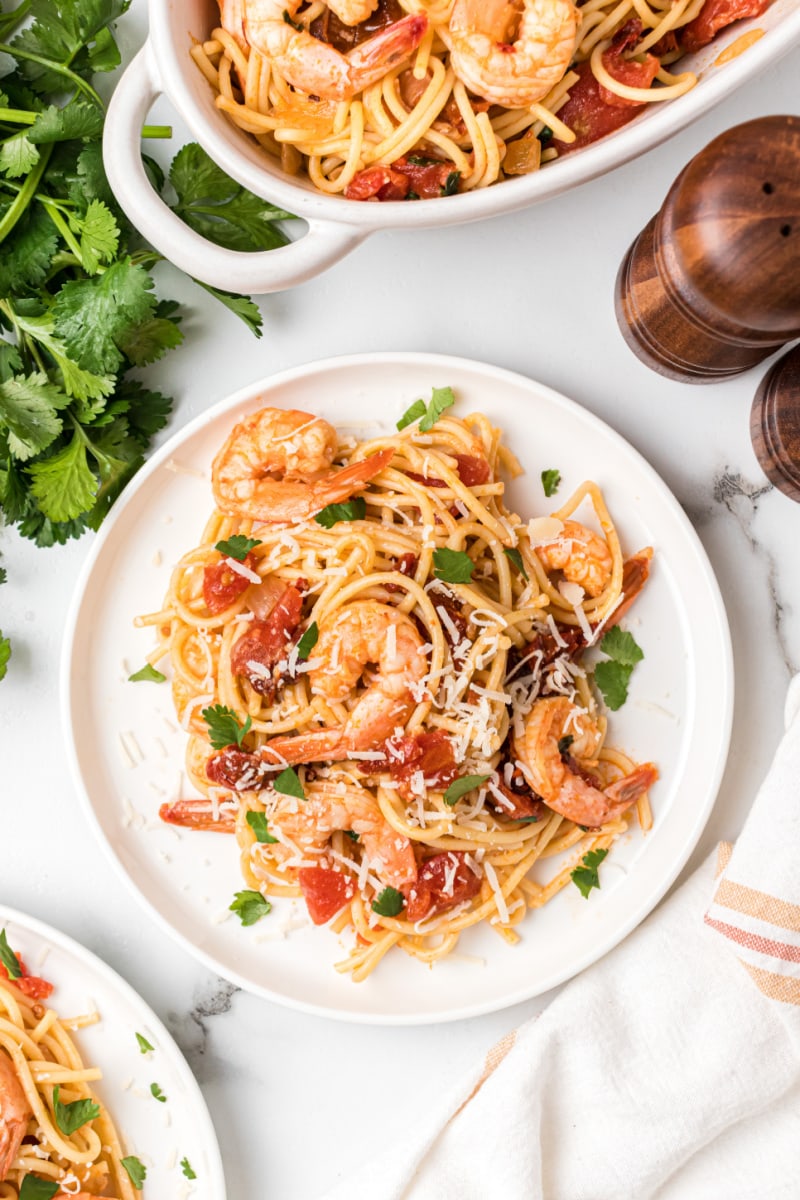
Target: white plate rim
{"type": "Point", "coordinates": [166, 1042]}
{"type": "Point", "coordinates": [442, 363]}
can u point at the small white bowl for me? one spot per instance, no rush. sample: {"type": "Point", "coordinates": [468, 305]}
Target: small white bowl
{"type": "Point", "coordinates": [335, 226]}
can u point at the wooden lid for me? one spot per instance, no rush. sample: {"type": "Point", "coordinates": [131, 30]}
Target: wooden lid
{"type": "Point", "coordinates": [729, 231]}
{"type": "Point", "coordinates": [775, 423]}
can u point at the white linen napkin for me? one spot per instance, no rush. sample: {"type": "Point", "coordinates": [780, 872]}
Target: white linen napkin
{"type": "Point", "coordinates": [670, 1069]}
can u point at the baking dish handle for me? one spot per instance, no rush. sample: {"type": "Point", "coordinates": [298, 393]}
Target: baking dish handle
{"type": "Point", "coordinates": [320, 247]}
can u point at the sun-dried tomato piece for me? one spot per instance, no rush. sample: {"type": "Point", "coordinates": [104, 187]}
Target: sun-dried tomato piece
{"type": "Point", "coordinates": [443, 881]}
{"type": "Point", "coordinates": [222, 585]}
{"type": "Point", "coordinates": [473, 470]}
{"type": "Point", "coordinates": [714, 16]}
{"type": "Point", "coordinates": [238, 770]}
{"type": "Point", "coordinates": [325, 892]}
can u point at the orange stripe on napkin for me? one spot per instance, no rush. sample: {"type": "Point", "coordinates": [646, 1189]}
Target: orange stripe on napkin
{"type": "Point", "coordinates": [493, 1059]}
{"type": "Point", "coordinates": [777, 987]}
{"type": "Point", "coordinates": [754, 941]}
{"type": "Point", "coordinates": [758, 904]}
{"type": "Point", "coordinates": [724, 852]}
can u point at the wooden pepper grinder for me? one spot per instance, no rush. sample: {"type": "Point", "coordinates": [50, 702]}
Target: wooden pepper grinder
{"type": "Point", "coordinates": [775, 423]}
{"type": "Point", "coordinates": [711, 285]}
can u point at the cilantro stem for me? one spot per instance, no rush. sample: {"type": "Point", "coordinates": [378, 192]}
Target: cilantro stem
{"type": "Point", "coordinates": [156, 131]}
{"type": "Point", "coordinates": [18, 116]}
{"type": "Point", "coordinates": [9, 20]}
{"type": "Point", "coordinates": [26, 192]}
{"type": "Point", "coordinates": [59, 68]}
{"type": "Point", "coordinates": [63, 228]}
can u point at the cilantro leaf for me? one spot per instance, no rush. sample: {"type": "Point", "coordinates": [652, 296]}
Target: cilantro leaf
{"type": "Point", "coordinates": [586, 877]}
{"type": "Point", "coordinates": [237, 546]}
{"type": "Point", "coordinates": [244, 307]}
{"type": "Point", "coordinates": [64, 484]}
{"type": "Point", "coordinates": [186, 1167]}
{"type": "Point", "coordinates": [144, 1045]}
{"type": "Point", "coordinates": [99, 234]}
{"type": "Point", "coordinates": [622, 647]}
{"type": "Point", "coordinates": [258, 823]}
{"type": "Point", "coordinates": [351, 833]}
{"type": "Point", "coordinates": [156, 1091]}
{"type": "Point", "coordinates": [412, 414]}
{"type": "Point", "coordinates": [450, 185]}
{"type": "Point", "coordinates": [218, 208]}
{"type": "Point", "coordinates": [146, 412]}
{"type": "Point", "coordinates": [8, 958]}
{"type": "Point", "coordinates": [35, 1188]}
{"type": "Point", "coordinates": [92, 316]}
{"type": "Point", "coordinates": [288, 784]}
{"type": "Point", "coordinates": [612, 679]}
{"type": "Point", "coordinates": [18, 156]}
{"type": "Point", "coordinates": [550, 481]}
{"type": "Point", "coordinates": [460, 787]}
{"type": "Point", "coordinates": [223, 726]}
{"type": "Point", "coordinates": [5, 654]}
{"type": "Point", "coordinates": [390, 902]}
{"type": "Point", "coordinates": [137, 1171]}
{"type": "Point", "coordinates": [78, 119]}
{"type": "Point", "coordinates": [351, 510]}
{"type": "Point", "coordinates": [148, 674]}
{"type": "Point", "coordinates": [146, 343]}
{"type": "Point", "coordinates": [250, 907]}
{"type": "Point", "coordinates": [515, 557]}
{"type": "Point", "coordinates": [28, 407]}
{"type": "Point", "coordinates": [70, 1117]}
{"type": "Point", "coordinates": [308, 641]}
{"type": "Point", "coordinates": [441, 399]}
{"type": "Point", "coordinates": [565, 742]}
{"type": "Point", "coordinates": [453, 566]}
{"type": "Point", "coordinates": [26, 258]}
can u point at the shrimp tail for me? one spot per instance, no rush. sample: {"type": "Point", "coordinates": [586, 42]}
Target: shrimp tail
{"type": "Point", "coordinates": [625, 792]}
{"type": "Point", "coordinates": [340, 485]}
{"type": "Point", "coordinates": [15, 1112]}
{"type": "Point", "coordinates": [197, 814]}
{"type": "Point", "coordinates": [321, 745]}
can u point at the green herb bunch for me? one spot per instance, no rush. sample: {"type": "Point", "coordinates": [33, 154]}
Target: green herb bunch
{"type": "Point", "coordinates": [78, 309]}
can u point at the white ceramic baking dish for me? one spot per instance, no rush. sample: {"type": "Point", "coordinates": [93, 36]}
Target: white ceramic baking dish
{"type": "Point", "coordinates": [335, 226]}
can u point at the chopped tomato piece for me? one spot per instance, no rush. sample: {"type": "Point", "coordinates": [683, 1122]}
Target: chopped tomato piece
{"type": "Point", "coordinates": [406, 177]}
{"type": "Point", "coordinates": [325, 892]}
{"type": "Point", "coordinates": [473, 470]}
{"type": "Point", "coordinates": [377, 183]}
{"type": "Point", "coordinates": [432, 753]}
{"type": "Point", "coordinates": [455, 612]}
{"type": "Point", "coordinates": [406, 564]}
{"type": "Point", "coordinates": [714, 16]}
{"type": "Point", "coordinates": [198, 814]}
{"type": "Point", "coordinates": [222, 585]}
{"type": "Point", "coordinates": [428, 179]}
{"type": "Point", "coordinates": [521, 802]}
{"type": "Point", "coordinates": [593, 111]}
{"type": "Point", "coordinates": [264, 643]}
{"type": "Point", "coordinates": [29, 985]}
{"type": "Point", "coordinates": [443, 881]}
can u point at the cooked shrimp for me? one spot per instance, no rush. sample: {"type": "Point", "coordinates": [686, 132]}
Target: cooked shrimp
{"type": "Point", "coordinates": [329, 806]}
{"type": "Point", "coordinates": [510, 57]}
{"type": "Point", "coordinates": [15, 1112]}
{"type": "Point", "coordinates": [362, 634]}
{"type": "Point", "coordinates": [561, 788]}
{"type": "Point", "coordinates": [582, 555]}
{"type": "Point", "coordinates": [317, 68]}
{"type": "Point", "coordinates": [276, 467]}
{"type": "Point", "coordinates": [231, 18]}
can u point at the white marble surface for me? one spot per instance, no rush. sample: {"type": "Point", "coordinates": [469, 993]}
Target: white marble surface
{"type": "Point", "coordinates": [296, 1100]}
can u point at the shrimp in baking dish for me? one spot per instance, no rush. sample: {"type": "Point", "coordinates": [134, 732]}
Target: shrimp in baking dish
{"type": "Point", "coordinates": [231, 18]}
{"type": "Point", "coordinates": [361, 634]}
{"type": "Point", "coordinates": [317, 68]}
{"type": "Point", "coordinates": [15, 1112]}
{"type": "Point", "coordinates": [561, 787]}
{"type": "Point", "coordinates": [582, 555]}
{"type": "Point", "coordinates": [512, 53]}
{"type": "Point", "coordinates": [276, 467]}
{"type": "Point", "coordinates": [308, 824]}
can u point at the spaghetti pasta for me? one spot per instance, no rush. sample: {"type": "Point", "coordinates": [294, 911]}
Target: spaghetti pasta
{"type": "Point", "coordinates": [371, 641]}
{"type": "Point", "coordinates": [382, 109]}
{"type": "Point", "coordinates": [42, 1074]}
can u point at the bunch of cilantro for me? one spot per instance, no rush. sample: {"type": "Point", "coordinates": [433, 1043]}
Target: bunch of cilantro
{"type": "Point", "coordinates": [78, 309]}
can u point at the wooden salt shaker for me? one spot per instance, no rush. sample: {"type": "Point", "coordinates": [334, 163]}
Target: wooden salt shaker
{"type": "Point", "coordinates": [775, 423]}
{"type": "Point", "coordinates": [711, 286]}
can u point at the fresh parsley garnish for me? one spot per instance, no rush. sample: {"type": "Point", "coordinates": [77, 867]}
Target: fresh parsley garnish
{"type": "Point", "coordinates": [144, 1045]}
{"type": "Point", "coordinates": [351, 833]}
{"type": "Point", "coordinates": [186, 1167]}
{"type": "Point", "coordinates": [288, 784]}
{"type": "Point", "coordinates": [70, 1117]}
{"type": "Point", "coordinates": [460, 787]}
{"type": "Point", "coordinates": [137, 1171]}
{"type": "Point", "coordinates": [389, 903]}
{"type": "Point", "coordinates": [223, 726]}
{"type": "Point", "coordinates": [527, 820]}
{"type": "Point", "coordinates": [585, 878]}
{"type": "Point", "coordinates": [612, 675]}
{"type": "Point", "coordinates": [148, 674]}
{"type": "Point", "coordinates": [5, 654]}
{"type": "Point", "coordinates": [441, 399]}
{"type": "Point", "coordinates": [250, 907]}
{"type": "Point", "coordinates": [8, 958]}
{"type": "Point", "coordinates": [546, 135]}
{"type": "Point", "coordinates": [412, 414]}
{"type": "Point", "coordinates": [258, 823]}
{"type": "Point", "coordinates": [308, 641]}
{"type": "Point", "coordinates": [515, 557]}
{"type": "Point", "coordinates": [34, 1188]}
{"type": "Point", "coordinates": [156, 1091]}
{"type": "Point", "coordinates": [565, 742]}
{"type": "Point", "coordinates": [452, 566]}
{"type": "Point", "coordinates": [237, 546]}
{"type": "Point", "coordinates": [550, 481]}
{"type": "Point", "coordinates": [450, 186]}
{"type": "Point", "coordinates": [351, 510]}
{"type": "Point", "coordinates": [294, 24]}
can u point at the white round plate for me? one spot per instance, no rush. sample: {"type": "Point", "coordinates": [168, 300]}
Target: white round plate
{"type": "Point", "coordinates": [678, 713]}
{"type": "Point", "coordinates": [160, 1134]}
